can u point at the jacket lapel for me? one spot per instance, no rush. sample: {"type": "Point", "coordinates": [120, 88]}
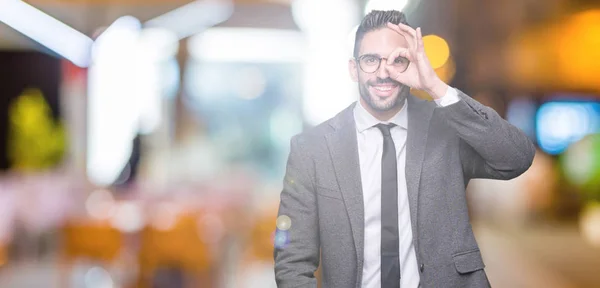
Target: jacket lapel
{"type": "Point", "coordinates": [343, 149]}
{"type": "Point", "coordinates": [419, 116]}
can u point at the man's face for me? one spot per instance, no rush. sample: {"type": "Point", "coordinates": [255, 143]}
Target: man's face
{"type": "Point", "coordinates": [377, 89]}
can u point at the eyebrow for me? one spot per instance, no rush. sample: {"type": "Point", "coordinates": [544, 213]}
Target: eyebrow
{"type": "Point", "coordinates": [370, 54]}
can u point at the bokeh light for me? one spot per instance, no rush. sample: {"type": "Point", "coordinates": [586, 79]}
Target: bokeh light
{"type": "Point", "coordinates": [578, 59]}
{"type": "Point", "coordinates": [128, 217]}
{"type": "Point", "coordinates": [281, 239]}
{"type": "Point", "coordinates": [446, 72]}
{"type": "Point", "coordinates": [561, 123]}
{"type": "Point", "coordinates": [100, 204]}
{"type": "Point", "coordinates": [590, 223]}
{"type": "Point", "coordinates": [165, 216]}
{"type": "Point", "coordinates": [437, 50]}
{"type": "Point", "coordinates": [98, 277]}
{"type": "Point", "coordinates": [284, 222]}
{"type": "Point", "coordinates": [581, 165]}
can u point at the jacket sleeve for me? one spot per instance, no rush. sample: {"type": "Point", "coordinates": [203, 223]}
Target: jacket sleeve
{"type": "Point", "coordinates": [297, 249]}
{"type": "Point", "coordinates": [490, 147]}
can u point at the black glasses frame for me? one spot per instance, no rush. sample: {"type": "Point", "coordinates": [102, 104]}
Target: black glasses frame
{"type": "Point", "coordinates": [379, 63]}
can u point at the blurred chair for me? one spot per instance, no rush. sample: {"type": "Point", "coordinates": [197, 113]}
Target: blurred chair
{"type": "Point", "coordinates": [257, 259]}
{"type": "Point", "coordinates": [260, 244]}
{"type": "Point", "coordinates": [97, 241]}
{"type": "Point", "coordinates": [177, 247]}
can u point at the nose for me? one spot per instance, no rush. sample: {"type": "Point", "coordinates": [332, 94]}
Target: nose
{"type": "Point", "coordinates": [383, 72]}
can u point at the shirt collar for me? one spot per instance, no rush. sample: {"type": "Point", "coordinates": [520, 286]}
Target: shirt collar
{"type": "Point", "coordinates": [364, 120]}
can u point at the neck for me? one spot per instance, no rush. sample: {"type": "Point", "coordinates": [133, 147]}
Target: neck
{"type": "Point", "coordinates": [382, 115]}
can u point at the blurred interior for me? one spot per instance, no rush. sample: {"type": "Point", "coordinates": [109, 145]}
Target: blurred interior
{"type": "Point", "coordinates": [143, 143]}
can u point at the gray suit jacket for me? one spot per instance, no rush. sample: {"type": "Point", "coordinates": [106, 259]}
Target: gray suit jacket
{"type": "Point", "coordinates": [446, 147]}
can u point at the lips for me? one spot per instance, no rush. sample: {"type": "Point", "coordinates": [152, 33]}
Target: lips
{"type": "Point", "coordinates": [383, 90]}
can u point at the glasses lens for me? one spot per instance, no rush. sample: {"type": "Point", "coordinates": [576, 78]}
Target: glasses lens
{"type": "Point", "coordinates": [369, 63]}
{"type": "Point", "coordinates": [401, 63]}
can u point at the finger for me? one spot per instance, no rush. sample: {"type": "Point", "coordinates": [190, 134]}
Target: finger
{"type": "Point", "coordinates": [398, 30]}
{"type": "Point", "coordinates": [403, 52]}
{"type": "Point", "coordinates": [412, 41]}
{"type": "Point", "coordinates": [407, 29]}
{"type": "Point", "coordinates": [420, 44]}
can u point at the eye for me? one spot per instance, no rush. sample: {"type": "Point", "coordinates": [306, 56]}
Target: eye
{"type": "Point", "coordinates": [370, 59]}
{"type": "Point", "coordinates": [400, 60]}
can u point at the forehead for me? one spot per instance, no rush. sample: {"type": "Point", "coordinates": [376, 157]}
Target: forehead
{"type": "Point", "coordinates": [382, 42]}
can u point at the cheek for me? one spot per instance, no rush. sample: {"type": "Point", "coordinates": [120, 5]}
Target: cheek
{"type": "Point", "coordinates": [364, 79]}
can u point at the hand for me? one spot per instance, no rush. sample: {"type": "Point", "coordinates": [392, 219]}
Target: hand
{"type": "Point", "coordinates": [419, 75]}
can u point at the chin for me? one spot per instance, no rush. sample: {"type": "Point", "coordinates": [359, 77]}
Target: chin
{"type": "Point", "coordinates": [384, 104]}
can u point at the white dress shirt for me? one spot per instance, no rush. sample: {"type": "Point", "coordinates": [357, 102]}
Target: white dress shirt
{"type": "Point", "coordinates": [370, 149]}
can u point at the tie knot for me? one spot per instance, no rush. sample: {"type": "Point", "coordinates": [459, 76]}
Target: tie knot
{"type": "Point", "coordinates": [385, 128]}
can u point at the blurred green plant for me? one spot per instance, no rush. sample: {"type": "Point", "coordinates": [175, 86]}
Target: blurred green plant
{"type": "Point", "coordinates": [581, 166]}
{"type": "Point", "coordinates": [35, 141]}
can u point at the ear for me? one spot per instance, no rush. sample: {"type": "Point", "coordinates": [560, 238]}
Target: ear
{"type": "Point", "coordinates": [353, 69]}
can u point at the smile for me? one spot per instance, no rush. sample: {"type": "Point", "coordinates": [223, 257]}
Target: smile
{"type": "Point", "coordinates": [384, 90]}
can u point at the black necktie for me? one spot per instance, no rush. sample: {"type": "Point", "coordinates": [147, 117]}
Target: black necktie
{"type": "Point", "coordinates": [390, 239]}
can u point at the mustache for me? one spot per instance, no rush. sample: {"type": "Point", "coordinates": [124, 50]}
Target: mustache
{"type": "Point", "coordinates": [384, 81]}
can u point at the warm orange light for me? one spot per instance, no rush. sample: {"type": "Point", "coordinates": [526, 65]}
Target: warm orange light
{"type": "Point", "coordinates": [560, 55]}
{"type": "Point", "coordinates": [437, 50]}
{"type": "Point", "coordinates": [578, 50]}
{"type": "Point", "coordinates": [446, 72]}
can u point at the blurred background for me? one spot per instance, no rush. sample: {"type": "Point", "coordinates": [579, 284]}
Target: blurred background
{"type": "Point", "coordinates": [143, 143]}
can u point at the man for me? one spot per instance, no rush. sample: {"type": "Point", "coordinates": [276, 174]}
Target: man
{"type": "Point", "coordinates": [376, 194]}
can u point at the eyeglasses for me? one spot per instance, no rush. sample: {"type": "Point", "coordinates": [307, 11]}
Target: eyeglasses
{"type": "Point", "coordinates": [370, 63]}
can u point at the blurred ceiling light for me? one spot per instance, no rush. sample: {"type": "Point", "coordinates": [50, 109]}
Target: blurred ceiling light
{"type": "Point", "coordinates": [437, 50]}
{"type": "Point", "coordinates": [250, 45]}
{"type": "Point", "coordinates": [159, 44]}
{"type": "Point", "coordinates": [123, 32]}
{"type": "Point", "coordinates": [385, 5]}
{"type": "Point", "coordinates": [327, 88]}
{"type": "Point", "coordinates": [46, 30]}
{"type": "Point", "coordinates": [315, 17]}
{"type": "Point", "coordinates": [193, 17]}
{"type": "Point", "coordinates": [112, 123]}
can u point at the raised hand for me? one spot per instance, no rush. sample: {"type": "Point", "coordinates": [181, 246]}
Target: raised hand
{"type": "Point", "coordinates": [420, 74]}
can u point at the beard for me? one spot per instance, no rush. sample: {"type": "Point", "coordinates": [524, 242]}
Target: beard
{"type": "Point", "coordinates": [383, 104]}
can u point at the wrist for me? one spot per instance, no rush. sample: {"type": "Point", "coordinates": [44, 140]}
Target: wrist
{"type": "Point", "coordinates": [438, 89]}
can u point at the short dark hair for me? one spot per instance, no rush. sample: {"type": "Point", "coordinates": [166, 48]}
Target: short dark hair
{"type": "Point", "coordinates": [375, 20]}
